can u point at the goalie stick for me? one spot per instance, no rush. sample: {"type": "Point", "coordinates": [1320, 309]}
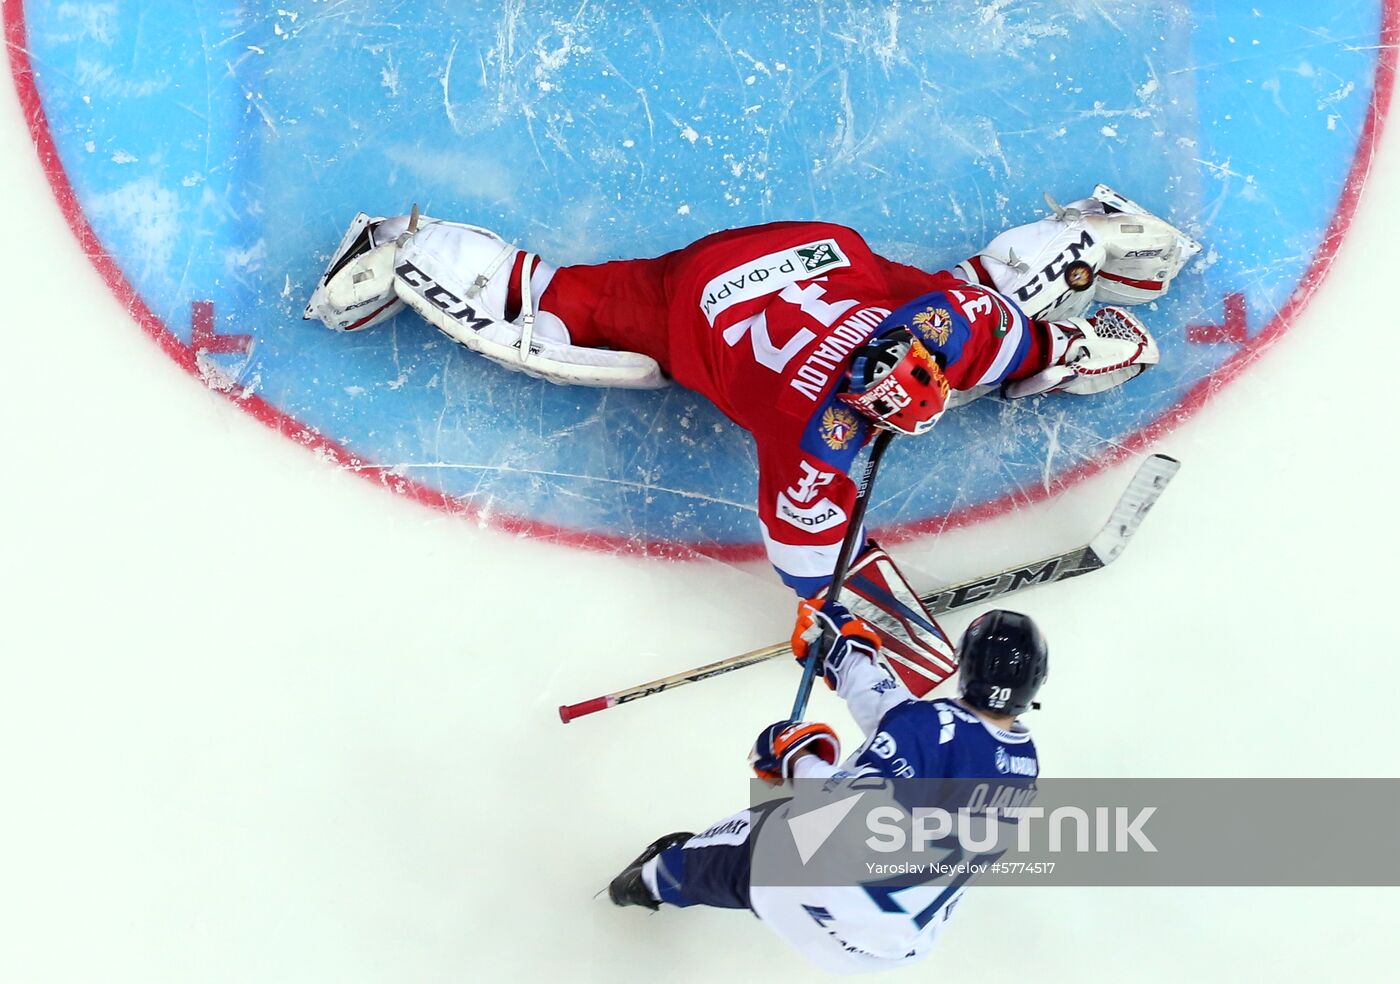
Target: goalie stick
{"type": "Point", "coordinates": [812, 667]}
{"type": "Point", "coordinates": [1108, 544]}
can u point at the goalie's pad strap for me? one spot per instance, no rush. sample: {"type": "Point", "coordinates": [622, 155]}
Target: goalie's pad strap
{"type": "Point", "coordinates": [527, 308]}
{"type": "Point", "coordinates": [485, 277]}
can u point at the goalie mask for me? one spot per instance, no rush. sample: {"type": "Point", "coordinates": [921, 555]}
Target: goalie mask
{"type": "Point", "coordinates": [1002, 662]}
{"type": "Point", "coordinates": [895, 382]}
{"type": "Point", "coordinates": [357, 289]}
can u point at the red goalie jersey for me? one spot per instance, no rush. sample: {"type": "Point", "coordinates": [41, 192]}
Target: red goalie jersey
{"type": "Point", "coordinates": [763, 321]}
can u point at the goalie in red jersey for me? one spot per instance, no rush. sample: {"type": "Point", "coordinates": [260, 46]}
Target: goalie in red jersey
{"type": "Point", "coordinates": [797, 331]}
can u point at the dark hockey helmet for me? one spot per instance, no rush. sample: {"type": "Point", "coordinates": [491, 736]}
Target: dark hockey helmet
{"type": "Point", "coordinates": [896, 383]}
{"type": "Point", "coordinates": [1002, 661]}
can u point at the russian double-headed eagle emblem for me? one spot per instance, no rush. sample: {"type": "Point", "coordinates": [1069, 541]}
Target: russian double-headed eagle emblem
{"type": "Point", "coordinates": [934, 324]}
{"type": "Point", "coordinates": [838, 427]}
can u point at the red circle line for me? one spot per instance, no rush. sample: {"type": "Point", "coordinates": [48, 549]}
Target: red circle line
{"type": "Point", "coordinates": [187, 356]}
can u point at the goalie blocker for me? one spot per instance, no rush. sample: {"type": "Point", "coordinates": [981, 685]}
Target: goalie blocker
{"type": "Point", "coordinates": [913, 646]}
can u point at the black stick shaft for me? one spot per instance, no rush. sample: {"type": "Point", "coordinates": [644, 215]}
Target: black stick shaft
{"type": "Point", "coordinates": [812, 666]}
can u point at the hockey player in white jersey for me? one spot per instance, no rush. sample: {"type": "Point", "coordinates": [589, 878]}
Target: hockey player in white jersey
{"type": "Point", "coordinates": [847, 928]}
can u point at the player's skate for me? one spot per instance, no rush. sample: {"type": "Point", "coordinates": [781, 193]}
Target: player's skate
{"type": "Point", "coordinates": [1091, 355]}
{"type": "Point", "coordinates": [629, 888]}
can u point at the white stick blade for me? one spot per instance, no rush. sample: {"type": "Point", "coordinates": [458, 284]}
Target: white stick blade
{"type": "Point", "coordinates": [1137, 499]}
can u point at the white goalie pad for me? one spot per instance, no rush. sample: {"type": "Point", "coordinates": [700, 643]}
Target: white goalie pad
{"type": "Point", "coordinates": [1105, 248]}
{"type": "Point", "coordinates": [457, 278]}
{"type": "Point", "coordinates": [1047, 267]}
{"type": "Point", "coordinates": [1143, 253]}
{"type": "Point", "coordinates": [356, 291]}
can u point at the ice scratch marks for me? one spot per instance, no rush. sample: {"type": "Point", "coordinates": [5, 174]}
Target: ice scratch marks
{"type": "Point", "coordinates": [400, 377]}
{"type": "Point", "coordinates": [640, 92]}
{"type": "Point", "coordinates": [446, 80]}
{"type": "Point", "coordinates": [550, 62]}
{"type": "Point", "coordinates": [1098, 8]}
{"type": "Point", "coordinates": [504, 469]}
{"type": "Point", "coordinates": [1231, 182]}
{"type": "Point", "coordinates": [887, 49]}
{"type": "Point", "coordinates": [686, 132]}
{"type": "Point", "coordinates": [843, 144]}
{"type": "Point", "coordinates": [469, 177]}
{"type": "Point", "coordinates": [505, 49]}
{"type": "Point", "coordinates": [446, 401]}
{"type": "Point", "coordinates": [1332, 98]}
{"type": "Point", "coordinates": [389, 76]}
{"type": "Point", "coordinates": [717, 30]}
{"type": "Point", "coordinates": [1008, 27]}
{"type": "Point", "coordinates": [89, 21]}
{"type": "Point", "coordinates": [877, 35]}
{"type": "Point", "coordinates": [103, 81]}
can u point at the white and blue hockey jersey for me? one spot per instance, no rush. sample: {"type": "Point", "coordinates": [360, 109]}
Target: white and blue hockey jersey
{"type": "Point", "coordinates": [855, 928]}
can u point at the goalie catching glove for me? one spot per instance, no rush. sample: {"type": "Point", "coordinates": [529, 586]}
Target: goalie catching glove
{"type": "Point", "coordinates": [829, 632]}
{"type": "Point", "coordinates": [1091, 355]}
{"type": "Point", "coordinates": [782, 743]}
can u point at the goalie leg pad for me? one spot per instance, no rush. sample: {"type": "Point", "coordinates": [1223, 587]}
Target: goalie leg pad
{"type": "Point", "coordinates": [1047, 267]}
{"type": "Point", "coordinates": [458, 278]}
{"type": "Point", "coordinates": [1105, 248]}
{"type": "Point", "coordinates": [356, 291]}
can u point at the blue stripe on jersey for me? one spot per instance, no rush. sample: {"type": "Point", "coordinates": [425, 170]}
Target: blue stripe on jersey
{"type": "Point", "coordinates": [943, 329]}
{"type": "Point", "coordinates": [805, 587]}
{"type": "Point", "coordinates": [1024, 348]}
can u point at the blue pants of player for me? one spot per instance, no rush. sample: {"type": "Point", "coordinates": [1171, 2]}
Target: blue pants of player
{"type": "Point", "coordinates": [712, 868]}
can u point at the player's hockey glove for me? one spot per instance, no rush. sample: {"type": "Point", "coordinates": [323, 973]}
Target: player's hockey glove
{"type": "Point", "coordinates": [830, 628]}
{"type": "Point", "coordinates": [780, 744]}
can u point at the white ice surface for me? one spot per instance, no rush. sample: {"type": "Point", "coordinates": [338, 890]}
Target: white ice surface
{"type": "Point", "coordinates": [261, 721]}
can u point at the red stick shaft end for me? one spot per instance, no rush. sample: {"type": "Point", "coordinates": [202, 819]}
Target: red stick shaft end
{"type": "Point", "coordinates": [567, 712]}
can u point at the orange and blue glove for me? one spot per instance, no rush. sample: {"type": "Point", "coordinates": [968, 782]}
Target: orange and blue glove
{"type": "Point", "coordinates": [780, 744]}
{"type": "Point", "coordinates": [829, 628]}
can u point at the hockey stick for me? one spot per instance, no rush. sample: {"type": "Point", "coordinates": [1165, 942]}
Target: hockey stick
{"type": "Point", "coordinates": [811, 667]}
{"type": "Point", "coordinates": [1107, 546]}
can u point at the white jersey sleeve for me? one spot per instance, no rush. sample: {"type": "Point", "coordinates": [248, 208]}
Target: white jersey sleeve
{"type": "Point", "coordinates": [870, 690]}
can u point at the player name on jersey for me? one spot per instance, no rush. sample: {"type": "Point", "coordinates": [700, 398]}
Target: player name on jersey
{"type": "Point", "coordinates": [816, 372]}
